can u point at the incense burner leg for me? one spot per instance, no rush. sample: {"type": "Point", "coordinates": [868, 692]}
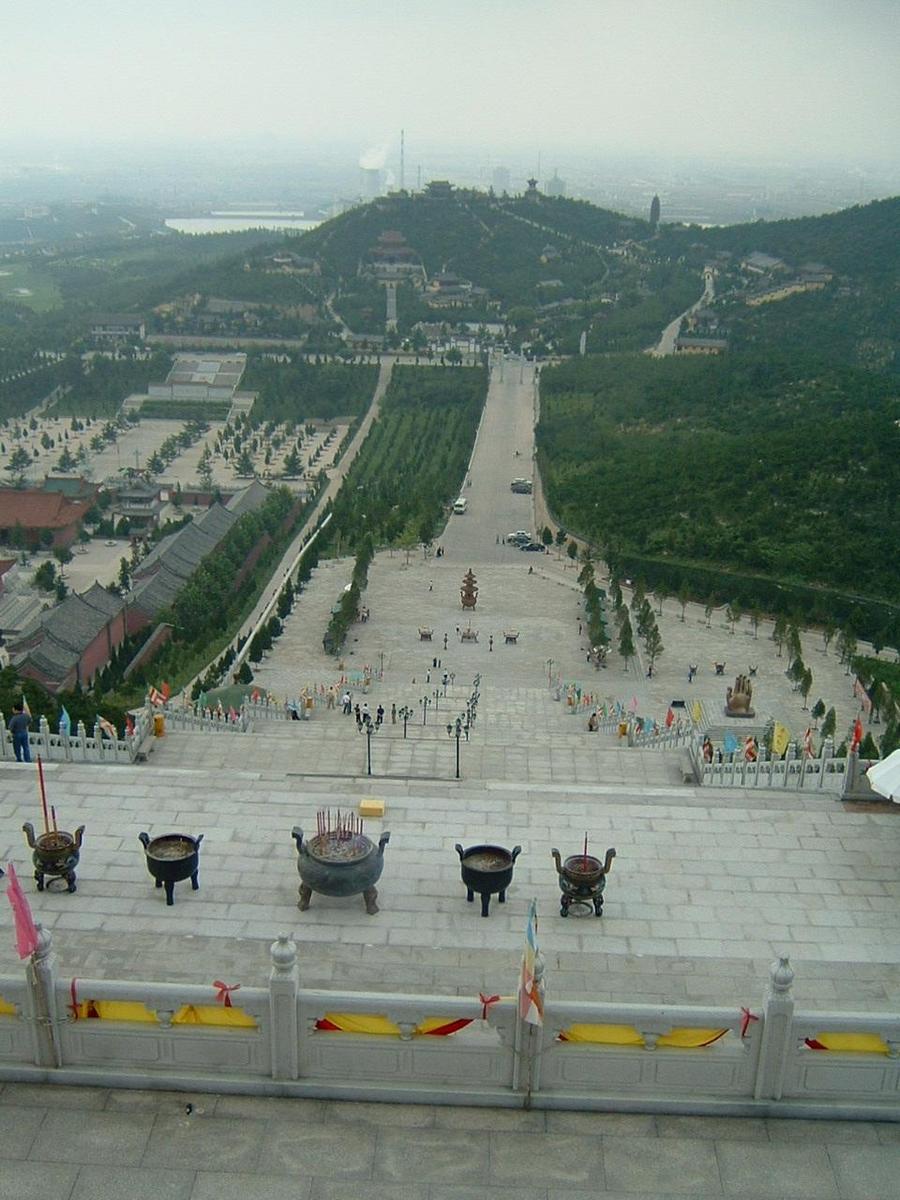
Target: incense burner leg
{"type": "Point", "coordinates": [502, 896]}
{"type": "Point", "coordinates": [485, 904]}
{"type": "Point", "coordinates": [39, 880]}
{"type": "Point", "coordinates": [564, 902]}
{"type": "Point", "coordinates": [195, 882]}
{"type": "Point", "coordinates": [159, 883]}
{"type": "Point", "coordinates": [305, 897]}
{"type": "Point", "coordinates": [598, 905]}
{"type": "Point", "coordinates": [470, 895]}
{"type": "Point", "coordinates": [170, 892]}
{"type": "Point", "coordinates": [70, 880]}
{"type": "Point", "coordinates": [370, 897]}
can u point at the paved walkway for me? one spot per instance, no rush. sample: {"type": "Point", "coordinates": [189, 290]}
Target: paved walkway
{"type": "Point", "coordinates": [93, 1144]}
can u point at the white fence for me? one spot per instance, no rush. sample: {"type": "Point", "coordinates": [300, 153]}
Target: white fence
{"type": "Point", "coordinates": [81, 746]}
{"type": "Point", "coordinates": [685, 1058]}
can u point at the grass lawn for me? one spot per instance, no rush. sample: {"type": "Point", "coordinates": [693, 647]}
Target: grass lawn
{"type": "Point", "coordinates": [37, 290]}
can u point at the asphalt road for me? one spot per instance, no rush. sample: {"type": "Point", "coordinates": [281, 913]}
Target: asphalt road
{"type": "Point", "coordinates": [494, 511]}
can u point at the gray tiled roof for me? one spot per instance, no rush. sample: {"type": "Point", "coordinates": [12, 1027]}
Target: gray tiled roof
{"type": "Point", "coordinates": [152, 595]}
{"type": "Point", "coordinates": [250, 499]}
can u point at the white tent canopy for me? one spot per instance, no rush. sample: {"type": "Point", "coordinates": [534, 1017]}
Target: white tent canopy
{"type": "Point", "coordinates": [884, 777]}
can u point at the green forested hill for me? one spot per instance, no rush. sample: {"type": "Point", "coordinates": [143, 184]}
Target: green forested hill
{"type": "Point", "coordinates": [770, 467]}
{"type": "Point", "coordinates": [861, 242]}
{"type": "Point", "coordinates": [856, 318]}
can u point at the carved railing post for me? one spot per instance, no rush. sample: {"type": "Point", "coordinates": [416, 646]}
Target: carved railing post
{"type": "Point", "coordinates": [778, 1021]}
{"type": "Point", "coordinates": [40, 974]}
{"type": "Point", "coordinates": [284, 982]}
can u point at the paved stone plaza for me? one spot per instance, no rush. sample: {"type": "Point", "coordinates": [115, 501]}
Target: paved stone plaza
{"type": "Point", "coordinates": [92, 1144]}
{"type": "Point", "coordinates": [708, 886]}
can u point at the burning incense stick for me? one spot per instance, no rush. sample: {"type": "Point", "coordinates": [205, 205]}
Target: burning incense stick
{"type": "Point", "coordinates": [585, 850]}
{"type": "Point", "coordinates": [40, 767]}
{"type": "Point", "coordinates": [53, 818]}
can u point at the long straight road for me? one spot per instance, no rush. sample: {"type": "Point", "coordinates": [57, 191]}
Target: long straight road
{"type": "Point", "coordinates": [504, 449]}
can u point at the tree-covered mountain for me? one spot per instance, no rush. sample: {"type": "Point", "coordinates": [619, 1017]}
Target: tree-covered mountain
{"type": "Point", "coordinates": [853, 318]}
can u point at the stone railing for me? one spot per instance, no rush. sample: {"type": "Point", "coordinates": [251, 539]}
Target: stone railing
{"type": "Point", "coordinates": [293, 1041]}
{"type": "Point", "coordinates": [81, 746]}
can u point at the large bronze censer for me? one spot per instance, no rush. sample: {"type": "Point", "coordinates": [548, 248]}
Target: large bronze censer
{"type": "Point", "coordinates": [55, 853]}
{"type": "Point", "coordinates": [582, 879]}
{"type": "Point", "coordinates": [339, 861]}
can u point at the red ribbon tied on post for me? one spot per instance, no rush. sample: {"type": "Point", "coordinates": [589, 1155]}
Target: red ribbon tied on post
{"type": "Point", "coordinates": [746, 1017]}
{"type": "Point", "coordinates": [486, 1002]}
{"type": "Point", "coordinates": [224, 991]}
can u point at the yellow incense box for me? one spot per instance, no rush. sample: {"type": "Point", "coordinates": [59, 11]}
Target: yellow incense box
{"type": "Point", "coordinates": [369, 806]}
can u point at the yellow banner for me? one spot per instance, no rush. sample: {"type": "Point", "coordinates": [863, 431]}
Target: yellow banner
{"type": "Point", "coordinates": [780, 739]}
{"type": "Point", "coordinates": [697, 711]}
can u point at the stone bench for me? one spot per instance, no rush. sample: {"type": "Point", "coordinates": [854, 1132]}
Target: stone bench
{"type": "Point", "coordinates": [469, 635]}
{"type": "Point", "coordinates": [425, 635]}
{"type": "Point", "coordinates": [510, 636]}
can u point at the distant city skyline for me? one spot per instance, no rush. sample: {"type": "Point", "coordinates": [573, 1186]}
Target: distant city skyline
{"type": "Point", "coordinates": [803, 82]}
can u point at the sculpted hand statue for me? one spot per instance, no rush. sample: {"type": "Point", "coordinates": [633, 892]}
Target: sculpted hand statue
{"type": "Point", "coordinates": [738, 698]}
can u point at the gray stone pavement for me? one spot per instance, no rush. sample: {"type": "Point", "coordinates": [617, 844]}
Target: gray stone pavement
{"type": "Point", "coordinates": [93, 1144]}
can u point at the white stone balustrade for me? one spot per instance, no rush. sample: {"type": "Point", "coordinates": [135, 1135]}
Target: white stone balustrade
{"type": "Point", "coordinates": [762, 1064]}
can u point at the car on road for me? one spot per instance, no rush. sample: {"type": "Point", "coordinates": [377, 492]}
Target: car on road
{"type": "Point", "coordinates": [538, 546]}
{"type": "Point", "coordinates": [519, 538]}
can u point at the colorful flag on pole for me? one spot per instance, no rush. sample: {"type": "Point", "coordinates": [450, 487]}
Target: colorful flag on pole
{"type": "Point", "coordinates": [729, 743]}
{"type": "Point", "coordinates": [808, 743]}
{"type": "Point", "coordinates": [697, 711]}
{"type": "Point", "coordinates": [107, 727]}
{"type": "Point", "coordinates": [166, 692]}
{"type": "Point", "coordinates": [129, 725]}
{"type": "Point", "coordinates": [26, 930]}
{"type": "Point", "coordinates": [65, 722]}
{"type": "Point", "coordinates": [857, 734]}
{"type": "Point", "coordinates": [632, 704]}
{"type": "Point", "coordinates": [25, 709]}
{"type": "Point", "coordinates": [156, 698]}
{"type": "Point", "coordinates": [531, 999]}
{"type": "Point", "coordinates": [670, 719]}
{"type": "Point", "coordinates": [781, 737]}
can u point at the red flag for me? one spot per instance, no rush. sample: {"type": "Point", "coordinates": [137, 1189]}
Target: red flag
{"type": "Point", "coordinates": [129, 725]}
{"type": "Point", "coordinates": [166, 691]}
{"type": "Point", "coordinates": [254, 696]}
{"type": "Point", "coordinates": [26, 930]}
{"type": "Point", "coordinates": [857, 734]}
{"type": "Point", "coordinates": [670, 719]}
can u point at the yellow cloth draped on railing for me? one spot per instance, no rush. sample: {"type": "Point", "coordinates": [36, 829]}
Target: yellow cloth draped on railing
{"type": "Point", "coordinates": [380, 1025]}
{"type": "Point", "coordinates": [856, 1043]}
{"type": "Point", "coordinates": [188, 1014]}
{"type": "Point", "coordinates": [7, 1009]}
{"type": "Point", "coordinates": [627, 1035]}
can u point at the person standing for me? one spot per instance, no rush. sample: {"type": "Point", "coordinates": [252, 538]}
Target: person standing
{"type": "Point", "coordinates": [347, 704]}
{"type": "Point", "coordinates": [19, 724]}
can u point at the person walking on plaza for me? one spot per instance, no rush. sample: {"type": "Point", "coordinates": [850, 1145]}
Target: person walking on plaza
{"type": "Point", "coordinates": [379, 716]}
{"type": "Point", "coordinates": [19, 724]}
{"type": "Point", "coordinates": [393, 714]}
{"type": "Point", "coordinates": [346, 704]}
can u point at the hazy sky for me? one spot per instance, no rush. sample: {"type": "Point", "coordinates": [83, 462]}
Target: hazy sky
{"type": "Point", "coordinates": [809, 79]}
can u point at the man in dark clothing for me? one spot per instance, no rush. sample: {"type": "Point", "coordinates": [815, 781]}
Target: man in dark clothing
{"type": "Point", "coordinates": [19, 724]}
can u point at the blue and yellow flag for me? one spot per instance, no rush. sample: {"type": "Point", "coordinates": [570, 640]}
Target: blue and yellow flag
{"type": "Point", "coordinates": [531, 999]}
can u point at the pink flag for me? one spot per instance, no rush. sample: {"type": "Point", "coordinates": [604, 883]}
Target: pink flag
{"type": "Point", "coordinates": [632, 704]}
{"type": "Point", "coordinates": [26, 931]}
